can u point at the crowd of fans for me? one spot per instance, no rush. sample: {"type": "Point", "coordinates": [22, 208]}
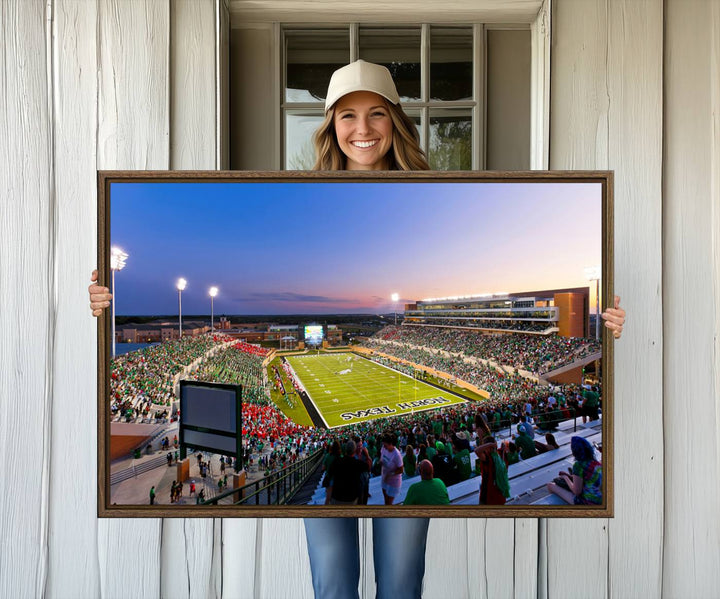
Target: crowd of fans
{"type": "Point", "coordinates": [497, 382]}
{"type": "Point", "coordinates": [141, 382]}
{"type": "Point", "coordinates": [534, 353]}
{"type": "Point", "coordinates": [241, 364]}
{"type": "Point", "coordinates": [504, 324]}
{"type": "Point", "coordinates": [445, 437]}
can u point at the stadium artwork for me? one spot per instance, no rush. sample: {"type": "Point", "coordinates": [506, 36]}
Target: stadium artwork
{"type": "Point", "coordinates": [286, 344]}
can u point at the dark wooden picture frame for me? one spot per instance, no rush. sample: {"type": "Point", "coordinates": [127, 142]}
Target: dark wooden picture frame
{"type": "Point", "coordinates": [106, 508]}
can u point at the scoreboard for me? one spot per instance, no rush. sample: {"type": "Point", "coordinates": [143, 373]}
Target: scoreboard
{"type": "Point", "coordinates": [314, 334]}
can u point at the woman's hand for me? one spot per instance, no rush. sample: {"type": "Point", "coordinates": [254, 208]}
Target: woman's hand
{"type": "Point", "coordinates": [99, 296]}
{"type": "Point", "coordinates": [615, 318]}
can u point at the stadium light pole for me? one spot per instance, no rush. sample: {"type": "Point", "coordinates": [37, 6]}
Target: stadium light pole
{"type": "Point", "coordinates": [213, 292]}
{"type": "Point", "coordinates": [395, 297]}
{"type": "Point", "coordinates": [592, 273]}
{"type": "Point", "coordinates": [117, 262]}
{"type": "Point", "coordinates": [181, 284]}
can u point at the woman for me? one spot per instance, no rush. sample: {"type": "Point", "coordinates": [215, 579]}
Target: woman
{"type": "Point", "coordinates": [364, 129]}
{"type": "Point", "coordinates": [494, 485]}
{"type": "Point", "coordinates": [392, 468]}
{"type": "Point", "coordinates": [584, 483]}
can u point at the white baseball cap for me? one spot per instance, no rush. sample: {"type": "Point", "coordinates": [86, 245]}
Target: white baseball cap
{"type": "Point", "coordinates": [361, 76]}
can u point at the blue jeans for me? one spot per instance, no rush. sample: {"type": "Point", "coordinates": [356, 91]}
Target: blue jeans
{"type": "Point", "coordinates": [398, 553]}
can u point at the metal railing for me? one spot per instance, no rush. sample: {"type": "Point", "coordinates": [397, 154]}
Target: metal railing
{"type": "Point", "coordinates": [275, 489]}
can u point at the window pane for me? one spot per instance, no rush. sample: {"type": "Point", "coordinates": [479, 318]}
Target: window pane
{"type": "Point", "coordinates": [414, 115]}
{"type": "Point", "coordinates": [311, 58]}
{"type": "Point", "coordinates": [399, 51]}
{"type": "Point", "coordinates": [299, 149]}
{"type": "Point", "coordinates": [451, 56]}
{"type": "Point", "coordinates": [450, 145]}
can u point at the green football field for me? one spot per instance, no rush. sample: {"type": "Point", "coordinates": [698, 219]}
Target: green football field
{"type": "Point", "coordinates": [347, 389]}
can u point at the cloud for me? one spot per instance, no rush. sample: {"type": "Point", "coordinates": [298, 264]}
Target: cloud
{"type": "Point", "coordinates": [291, 297]}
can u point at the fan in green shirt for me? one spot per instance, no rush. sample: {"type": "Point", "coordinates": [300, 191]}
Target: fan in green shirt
{"type": "Point", "coordinates": [461, 462]}
{"type": "Point", "coordinates": [429, 491]}
{"type": "Point", "coordinates": [525, 444]}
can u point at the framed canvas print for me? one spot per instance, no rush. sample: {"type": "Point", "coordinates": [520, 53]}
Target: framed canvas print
{"type": "Point", "coordinates": [355, 344]}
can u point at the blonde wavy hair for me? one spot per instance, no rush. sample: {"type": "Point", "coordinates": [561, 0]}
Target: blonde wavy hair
{"type": "Point", "coordinates": [405, 153]}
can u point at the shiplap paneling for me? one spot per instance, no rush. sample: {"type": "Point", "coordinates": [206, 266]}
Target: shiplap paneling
{"type": "Point", "coordinates": [73, 558]}
{"type": "Point", "coordinates": [27, 315]}
{"type": "Point", "coordinates": [715, 214]}
{"type": "Point", "coordinates": [193, 85]}
{"type": "Point", "coordinates": [468, 558]}
{"type": "Point", "coordinates": [190, 566]}
{"type": "Point", "coordinates": [526, 557]}
{"type": "Point", "coordinates": [239, 557]}
{"type": "Point", "coordinates": [607, 113]}
{"type": "Point", "coordinates": [490, 551]}
{"type": "Point", "coordinates": [282, 565]}
{"type": "Point", "coordinates": [691, 403]}
{"type": "Point", "coordinates": [133, 130]}
{"type": "Point", "coordinates": [578, 140]}
{"type": "Point", "coordinates": [446, 559]}
{"type": "Point", "coordinates": [134, 84]}
{"type": "Point", "coordinates": [635, 43]}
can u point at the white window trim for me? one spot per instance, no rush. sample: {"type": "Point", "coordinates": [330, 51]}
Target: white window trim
{"type": "Point", "coordinates": [539, 90]}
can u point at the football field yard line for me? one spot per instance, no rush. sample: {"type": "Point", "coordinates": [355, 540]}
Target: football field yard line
{"type": "Point", "coordinates": [373, 384]}
{"type": "Point", "coordinates": [345, 405]}
{"type": "Point", "coordinates": [346, 383]}
{"type": "Point", "coordinates": [367, 399]}
{"type": "Point", "coordinates": [365, 388]}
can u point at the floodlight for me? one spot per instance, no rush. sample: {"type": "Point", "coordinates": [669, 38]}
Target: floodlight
{"type": "Point", "coordinates": [181, 284]}
{"type": "Point", "coordinates": [213, 292]}
{"type": "Point", "coordinates": [592, 273]}
{"type": "Point", "coordinates": [117, 262]}
{"type": "Point", "coordinates": [395, 297]}
{"type": "Point", "coordinates": [117, 258]}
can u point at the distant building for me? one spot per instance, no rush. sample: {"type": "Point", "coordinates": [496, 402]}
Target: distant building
{"type": "Point", "coordinates": [561, 311]}
{"type": "Point", "coordinates": [288, 336]}
{"type": "Point", "coordinates": [154, 332]}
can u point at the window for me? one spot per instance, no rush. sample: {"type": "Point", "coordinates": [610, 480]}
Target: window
{"type": "Point", "coordinates": [467, 87]}
{"type": "Point", "coordinates": [436, 71]}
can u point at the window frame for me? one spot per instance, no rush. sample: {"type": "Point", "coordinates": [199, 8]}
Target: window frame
{"type": "Point", "coordinates": [476, 106]}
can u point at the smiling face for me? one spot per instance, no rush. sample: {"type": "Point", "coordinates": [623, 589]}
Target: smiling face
{"type": "Point", "coordinates": [364, 130]}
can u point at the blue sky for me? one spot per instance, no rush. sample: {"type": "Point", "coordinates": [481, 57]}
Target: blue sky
{"type": "Point", "coordinates": [314, 248]}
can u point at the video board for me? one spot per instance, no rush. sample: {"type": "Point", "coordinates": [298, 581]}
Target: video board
{"type": "Point", "coordinates": [314, 334]}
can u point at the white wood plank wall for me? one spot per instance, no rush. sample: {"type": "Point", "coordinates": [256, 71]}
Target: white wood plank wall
{"type": "Point", "coordinates": [692, 303]}
{"type": "Point", "coordinates": [635, 87]}
{"type": "Point", "coordinates": [74, 568]}
{"type": "Point", "coordinates": [133, 133]}
{"type": "Point", "coordinates": [27, 315]}
{"type": "Point", "coordinates": [606, 112]}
